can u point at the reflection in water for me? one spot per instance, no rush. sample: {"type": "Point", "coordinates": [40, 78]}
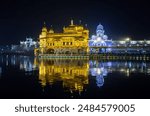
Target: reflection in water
{"type": "Point", "coordinates": [72, 73]}
{"type": "Point", "coordinates": [75, 74]}
{"type": "Point", "coordinates": [100, 70]}
{"type": "Point", "coordinates": [103, 68]}
{"type": "Point", "coordinates": [25, 63]}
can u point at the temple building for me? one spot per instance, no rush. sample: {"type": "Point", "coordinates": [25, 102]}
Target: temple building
{"type": "Point", "coordinates": [25, 47]}
{"type": "Point", "coordinates": [73, 40]}
{"type": "Point", "coordinates": [100, 43]}
{"type": "Point", "coordinates": [29, 43]}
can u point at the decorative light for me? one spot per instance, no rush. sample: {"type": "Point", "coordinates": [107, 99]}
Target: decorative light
{"type": "Point", "coordinates": [128, 39]}
{"type": "Point", "coordinates": [99, 39]}
{"type": "Point", "coordinates": [105, 37]}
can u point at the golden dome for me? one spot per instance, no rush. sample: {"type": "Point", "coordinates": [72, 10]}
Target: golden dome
{"type": "Point", "coordinates": [44, 29]}
{"type": "Point", "coordinates": [51, 31]}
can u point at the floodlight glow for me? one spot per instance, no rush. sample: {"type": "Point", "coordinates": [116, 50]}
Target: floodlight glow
{"type": "Point", "coordinates": [128, 39]}
{"type": "Point", "coordinates": [99, 39]}
{"type": "Point", "coordinates": [105, 37]}
{"type": "Point", "coordinates": [99, 71]}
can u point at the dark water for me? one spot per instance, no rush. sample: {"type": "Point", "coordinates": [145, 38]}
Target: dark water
{"type": "Point", "coordinates": [27, 77]}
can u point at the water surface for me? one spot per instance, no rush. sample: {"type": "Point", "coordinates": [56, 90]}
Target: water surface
{"type": "Point", "coordinates": [29, 77]}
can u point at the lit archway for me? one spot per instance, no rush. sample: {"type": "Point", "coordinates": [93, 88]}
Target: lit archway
{"type": "Point", "coordinates": [50, 51]}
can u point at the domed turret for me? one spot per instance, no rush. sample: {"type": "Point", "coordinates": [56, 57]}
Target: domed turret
{"type": "Point", "coordinates": [100, 39]}
{"type": "Point", "coordinates": [44, 29]}
{"type": "Point", "coordinates": [100, 27]}
{"type": "Point", "coordinates": [100, 30]}
{"type": "Point", "coordinates": [51, 29]}
{"type": "Point", "coordinates": [72, 22]}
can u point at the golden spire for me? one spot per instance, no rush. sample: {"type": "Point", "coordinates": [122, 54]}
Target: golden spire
{"type": "Point", "coordinates": [51, 29]}
{"type": "Point", "coordinates": [51, 26]}
{"type": "Point", "coordinates": [44, 27]}
{"type": "Point", "coordinates": [71, 21]}
{"type": "Point", "coordinates": [44, 24]}
{"type": "Point", "coordinates": [80, 22]}
{"type": "Point", "coordinates": [86, 25]}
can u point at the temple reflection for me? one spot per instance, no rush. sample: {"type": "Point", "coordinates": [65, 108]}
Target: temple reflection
{"type": "Point", "coordinates": [99, 71]}
{"type": "Point", "coordinates": [75, 74]}
{"type": "Point", "coordinates": [27, 64]}
{"type": "Point", "coordinates": [103, 68]}
{"type": "Point", "coordinates": [72, 73]}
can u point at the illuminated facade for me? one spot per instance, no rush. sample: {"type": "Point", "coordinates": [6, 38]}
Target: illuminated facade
{"type": "Point", "coordinates": [99, 40]}
{"type": "Point", "coordinates": [29, 43]}
{"type": "Point", "coordinates": [100, 43]}
{"type": "Point", "coordinates": [72, 74]}
{"type": "Point", "coordinates": [73, 40]}
{"type": "Point", "coordinates": [25, 47]}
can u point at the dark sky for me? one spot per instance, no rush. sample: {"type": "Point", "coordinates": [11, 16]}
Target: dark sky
{"type": "Point", "coordinates": [24, 18]}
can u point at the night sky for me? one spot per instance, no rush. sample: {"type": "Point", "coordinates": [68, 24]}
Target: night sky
{"type": "Point", "coordinates": [24, 18]}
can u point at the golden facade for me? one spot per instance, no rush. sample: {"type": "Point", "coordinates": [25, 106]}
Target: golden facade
{"type": "Point", "coordinates": [73, 40]}
{"type": "Point", "coordinates": [72, 74]}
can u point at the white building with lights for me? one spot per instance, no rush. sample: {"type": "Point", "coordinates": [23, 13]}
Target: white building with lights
{"type": "Point", "coordinates": [26, 46]}
{"type": "Point", "coordinates": [100, 43]}
{"type": "Point", "coordinates": [29, 43]}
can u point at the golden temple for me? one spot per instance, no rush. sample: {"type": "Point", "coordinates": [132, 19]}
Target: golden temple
{"type": "Point", "coordinates": [73, 40]}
